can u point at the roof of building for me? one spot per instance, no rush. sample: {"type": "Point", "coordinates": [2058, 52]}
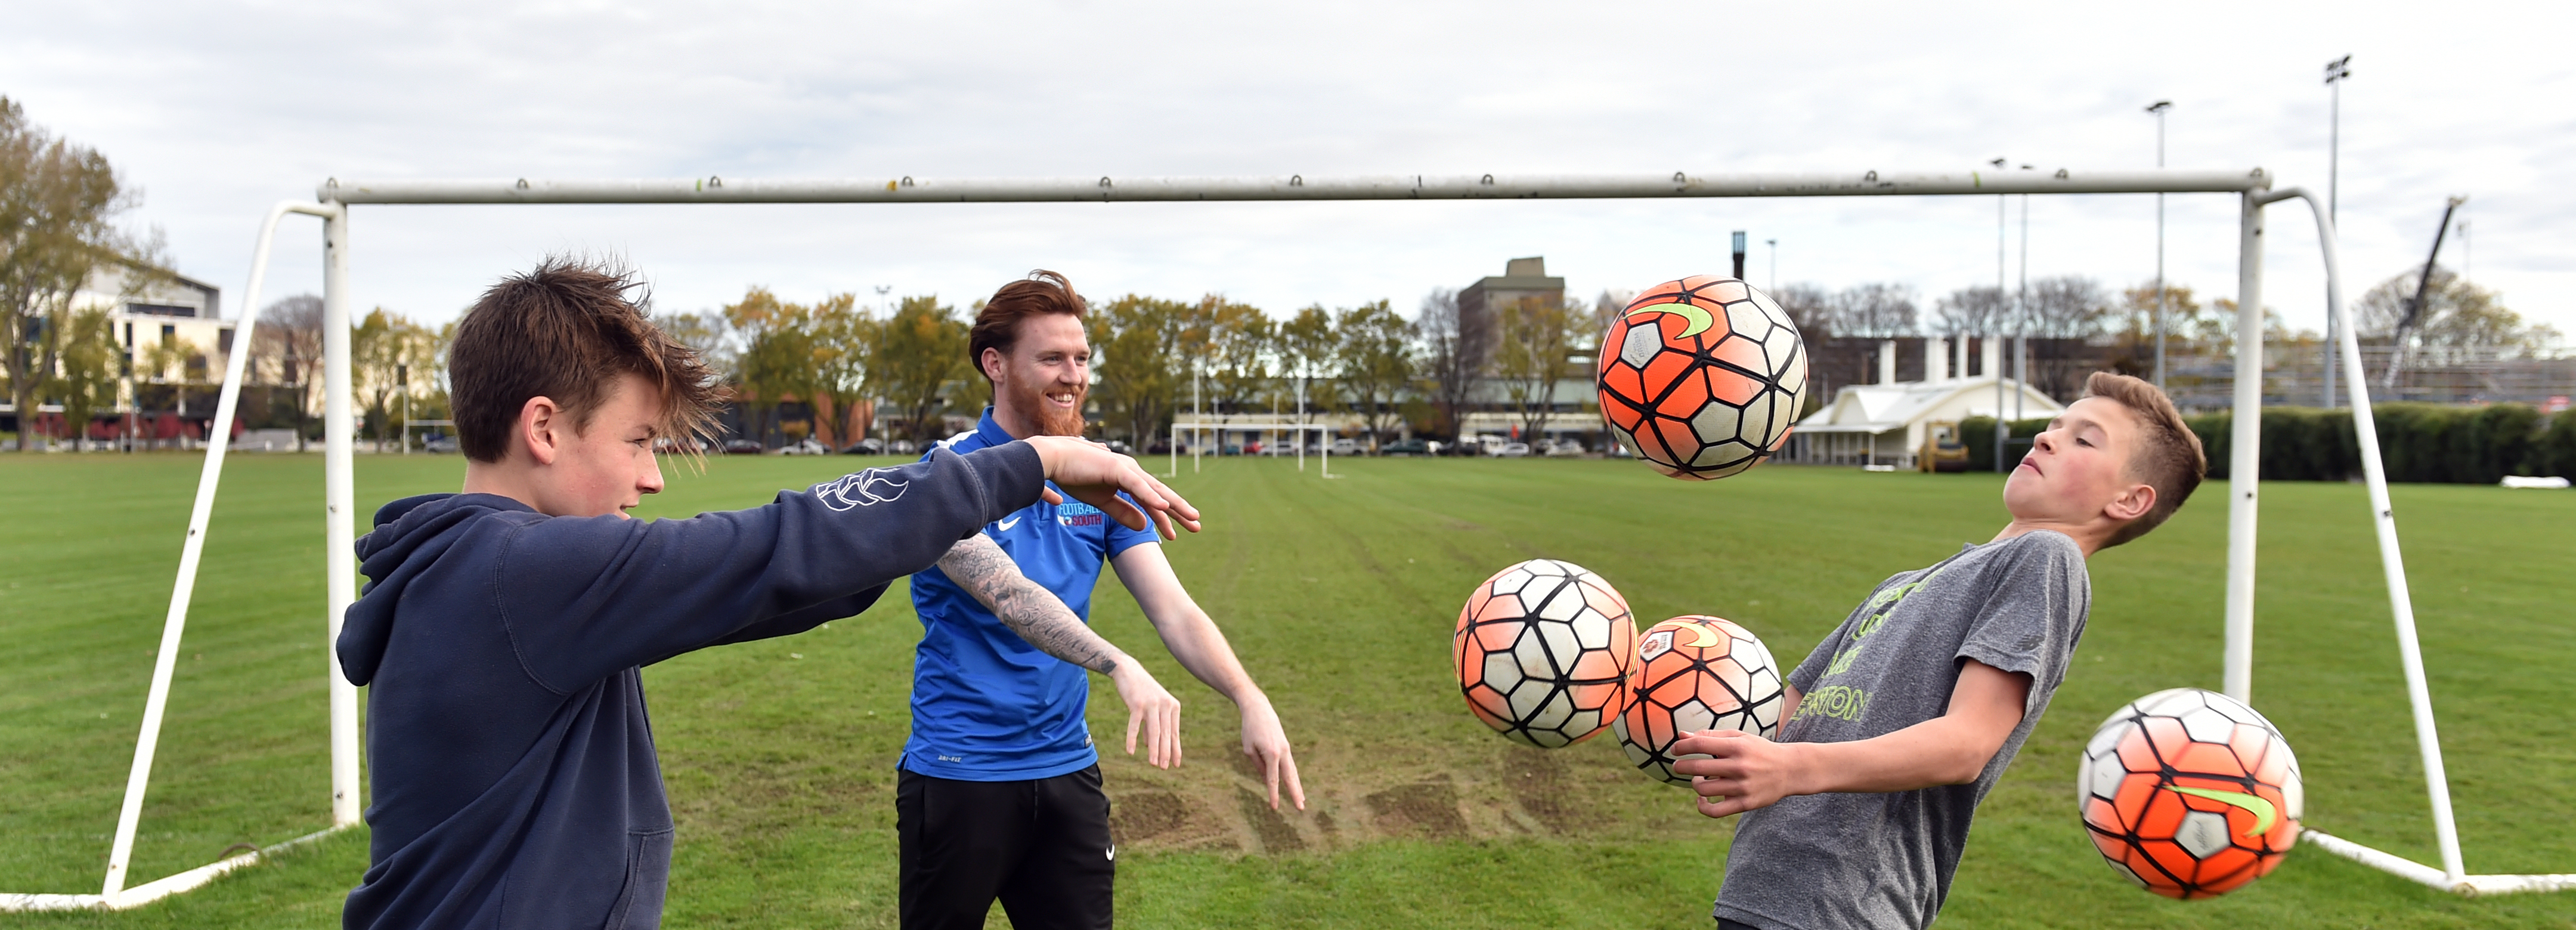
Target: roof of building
{"type": "Point", "coordinates": [1880, 408]}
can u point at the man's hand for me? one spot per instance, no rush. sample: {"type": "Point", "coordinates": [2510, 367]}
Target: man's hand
{"type": "Point", "coordinates": [1093, 474]}
{"type": "Point", "coordinates": [1267, 744]}
{"type": "Point", "coordinates": [1742, 772]}
{"type": "Point", "coordinates": [1153, 711]}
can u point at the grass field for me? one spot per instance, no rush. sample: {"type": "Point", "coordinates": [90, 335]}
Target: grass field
{"type": "Point", "coordinates": [1339, 596]}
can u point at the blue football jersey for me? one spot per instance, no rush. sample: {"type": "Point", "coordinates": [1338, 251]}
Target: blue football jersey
{"type": "Point", "coordinates": [986, 705]}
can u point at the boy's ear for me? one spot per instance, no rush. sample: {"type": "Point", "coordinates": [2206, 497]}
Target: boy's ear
{"type": "Point", "coordinates": [538, 421]}
{"type": "Point", "coordinates": [2132, 503]}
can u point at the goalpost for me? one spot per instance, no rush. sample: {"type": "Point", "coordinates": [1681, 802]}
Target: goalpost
{"type": "Point", "coordinates": [333, 199]}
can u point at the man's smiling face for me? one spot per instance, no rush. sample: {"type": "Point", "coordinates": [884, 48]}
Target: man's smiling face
{"type": "Point", "coordinates": [1042, 380]}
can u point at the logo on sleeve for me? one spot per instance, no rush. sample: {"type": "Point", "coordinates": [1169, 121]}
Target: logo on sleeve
{"type": "Point", "coordinates": [852, 491]}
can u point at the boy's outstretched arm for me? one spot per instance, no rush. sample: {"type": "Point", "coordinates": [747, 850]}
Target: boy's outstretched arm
{"type": "Point", "coordinates": [1745, 772]}
{"type": "Point", "coordinates": [1038, 616]}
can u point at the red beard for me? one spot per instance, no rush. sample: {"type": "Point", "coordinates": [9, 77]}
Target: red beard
{"type": "Point", "coordinates": [1051, 421]}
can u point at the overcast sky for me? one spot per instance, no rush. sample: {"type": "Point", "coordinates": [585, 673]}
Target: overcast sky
{"type": "Point", "coordinates": [216, 110]}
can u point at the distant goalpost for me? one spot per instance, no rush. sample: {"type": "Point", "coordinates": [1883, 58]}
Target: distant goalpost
{"type": "Point", "coordinates": [334, 198]}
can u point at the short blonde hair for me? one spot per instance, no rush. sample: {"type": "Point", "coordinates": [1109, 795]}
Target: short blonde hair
{"type": "Point", "coordinates": [2168, 457]}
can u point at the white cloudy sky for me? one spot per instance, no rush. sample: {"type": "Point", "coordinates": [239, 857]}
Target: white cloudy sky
{"type": "Point", "coordinates": [217, 109]}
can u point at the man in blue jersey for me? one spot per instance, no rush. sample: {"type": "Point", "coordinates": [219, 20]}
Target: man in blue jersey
{"type": "Point", "coordinates": [999, 794]}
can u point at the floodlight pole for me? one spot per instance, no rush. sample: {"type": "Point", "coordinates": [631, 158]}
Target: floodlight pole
{"type": "Point", "coordinates": [2158, 108]}
{"type": "Point", "coordinates": [2336, 71]}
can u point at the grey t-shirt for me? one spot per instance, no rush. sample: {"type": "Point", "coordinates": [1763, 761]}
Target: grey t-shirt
{"type": "Point", "coordinates": [1830, 861]}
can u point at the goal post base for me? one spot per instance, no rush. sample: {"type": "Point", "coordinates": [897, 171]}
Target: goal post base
{"type": "Point", "coordinates": [149, 892]}
{"type": "Point", "coordinates": [2467, 886]}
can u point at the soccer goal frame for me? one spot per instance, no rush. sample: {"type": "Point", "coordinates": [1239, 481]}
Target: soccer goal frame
{"type": "Point", "coordinates": [333, 199]}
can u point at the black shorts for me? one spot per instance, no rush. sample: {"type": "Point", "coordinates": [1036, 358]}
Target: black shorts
{"type": "Point", "coordinates": [1041, 846]}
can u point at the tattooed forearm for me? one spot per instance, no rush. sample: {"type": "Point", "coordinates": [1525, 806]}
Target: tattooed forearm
{"type": "Point", "coordinates": [1033, 612]}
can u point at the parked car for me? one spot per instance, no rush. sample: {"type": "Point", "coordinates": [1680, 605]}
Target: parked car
{"type": "Point", "coordinates": [864, 447]}
{"type": "Point", "coordinates": [1406, 447]}
{"type": "Point", "coordinates": [805, 447]}
{"type": "Point", "coordinates": [1513, 450]}
{"type": "Point", "coordinates": [440, 444]}
{"type": "Point", "coordinates": [1120, 446]}
{"type": "Point", "coordinates": [1562, 448]}
{"type": "Point", "coordinates": [667, 445]}
{"type": "Point", "coordinates": [743, 447]}
{"type": "Point", "coordinates": [905, 447]}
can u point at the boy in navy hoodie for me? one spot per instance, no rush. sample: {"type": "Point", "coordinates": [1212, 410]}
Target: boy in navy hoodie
{"type": "Point", "coordinates": [513, 772]}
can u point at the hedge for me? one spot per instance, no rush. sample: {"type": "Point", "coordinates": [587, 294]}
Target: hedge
{"type": "Point", "coordinates": [2428, 443]}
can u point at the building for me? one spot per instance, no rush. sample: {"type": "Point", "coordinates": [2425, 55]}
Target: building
{"type": "Point", "coordinates": [169, 405]}
{"type": "Point", "coordinates": [1884, 423]}
{"type": "Point", "coordinates": [1522, 279]}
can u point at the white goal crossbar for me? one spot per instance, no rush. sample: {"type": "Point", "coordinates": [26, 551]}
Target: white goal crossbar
{"type": "Point", "coordinates": [2253, 188]}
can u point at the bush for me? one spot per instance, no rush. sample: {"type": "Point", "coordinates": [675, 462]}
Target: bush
{"type": "Point", "coordinates": [2553, 451]}
{"type": "Point", "coordinates": [2417, 442]}
{"type": "Point", "coordinates": [1980, 437]}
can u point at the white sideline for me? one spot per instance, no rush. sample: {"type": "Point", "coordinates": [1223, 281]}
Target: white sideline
{"type": "Point", "coordinates": [149, 892]}
{"type": "Point", "coordinates": [2469, 886]}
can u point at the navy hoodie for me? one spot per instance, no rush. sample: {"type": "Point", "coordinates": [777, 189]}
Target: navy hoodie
{"type": "Point", "coordinates": [515, 782]}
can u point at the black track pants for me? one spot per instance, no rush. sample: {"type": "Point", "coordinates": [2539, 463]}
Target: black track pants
{"type": "Point", "coordinates": [1040, 846]}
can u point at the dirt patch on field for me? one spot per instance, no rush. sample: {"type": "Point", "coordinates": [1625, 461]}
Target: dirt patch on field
{"type": "Point", "coordinates": [1427, 808]}
{"type": "Point", "coordinates": [1544, 787]}
{"type": "Point", "coordinates": [1145, 815]}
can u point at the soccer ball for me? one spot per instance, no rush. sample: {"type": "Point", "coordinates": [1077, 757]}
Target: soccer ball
{"type": "Point", "coordinates": [2189, 793]}
{"type": "Point", "coordinates": [1702, 377]}
{"type": "Point", "coordinates": [1696, 673]}
{"type": "Point", "coordinates": [1542, 652]}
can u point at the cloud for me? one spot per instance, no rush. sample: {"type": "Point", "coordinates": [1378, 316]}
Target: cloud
{"type": "Point", "coordinates": [218, 109]}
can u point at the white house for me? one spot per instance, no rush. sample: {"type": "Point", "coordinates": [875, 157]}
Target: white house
{"type": "Point", "coordinates": [1885, 423]}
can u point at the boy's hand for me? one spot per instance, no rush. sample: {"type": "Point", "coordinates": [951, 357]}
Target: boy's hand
{"type": "Point", "coordinates": [1742, 772]}
{"type": "Point", "coordinates": [1150, 709]}
{"type": "Point", "coordinates": [1090, 472]}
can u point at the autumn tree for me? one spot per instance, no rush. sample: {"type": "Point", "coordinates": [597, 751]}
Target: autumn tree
{"type": "Point", "coordinates": [1309, 349]}
{"type": "Point", "coordinates": [1134, 345]}
{"type": "Point", "coordinates": [1375, 359]}
{"type": "Point", "coordinates": [843, 345]}
{"type": "Point", "coordinates": [90, 367]}
{"type": "Point", "coordinates": [289, 337]}
{"type": "Point", "coordinates": [388, 354]}
{"type": "Point", "coordinates": [2456, 314]}
{"type": "Point", "coordinates": [1234, 353]}
{"type": "Point", "coordinates": [1876, 311]}
{"type": "Point", "coordinates": [57, 206]}
{"type": "Point", "coordinates": [1456, 349]}
{"type": "Point", "coordinates": [919, 351]}
{"type": "Point", "coordinates": [1536, 338]}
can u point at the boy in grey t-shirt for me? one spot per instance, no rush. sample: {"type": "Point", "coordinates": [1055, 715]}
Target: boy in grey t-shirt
{"type": "Point", "coordinates": [1913, 707]}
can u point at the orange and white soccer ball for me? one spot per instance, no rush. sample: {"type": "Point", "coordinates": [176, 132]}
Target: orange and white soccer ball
{"type": "Point", "coordinates": [1542, 652]}
{"type": "Point", "coordinates": [1696, 673]}
{"type": "Point", "coordinates": [2190, 793]}
{"type": "Point", "coordinates": [1702, 377]}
